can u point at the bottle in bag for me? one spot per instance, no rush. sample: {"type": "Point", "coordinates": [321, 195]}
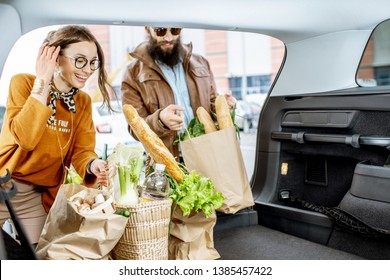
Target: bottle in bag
{"type": "Point", "coordinates": [156, 185]}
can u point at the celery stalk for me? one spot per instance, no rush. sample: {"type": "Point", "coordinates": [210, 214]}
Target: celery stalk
{"type": "Point", "coordinates": [122, 179]}
{"type": "Point", "coordinates": [138, 167]}
{"type": "Point", "coordinates": [129, 183]}
{"type": "Point", "coordinates": [130, 162]}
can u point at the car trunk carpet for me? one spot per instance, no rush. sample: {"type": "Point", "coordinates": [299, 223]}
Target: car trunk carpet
{"type": "Point", "coordinates": [376, 213]}
{"type": "Point", "coordinates": [260, 243]}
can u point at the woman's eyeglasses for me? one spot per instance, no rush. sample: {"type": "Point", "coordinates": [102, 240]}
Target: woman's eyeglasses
{"type": "Point", "coordinates": [161, 31]}
{"type": "Point", "coordinates": [80, 62]}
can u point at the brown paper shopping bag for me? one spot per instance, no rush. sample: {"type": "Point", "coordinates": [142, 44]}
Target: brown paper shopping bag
{"type": "Point", "coordinates": [191, 237]}
{"type": "Point", "coordinates": [217, 155]}
{"type": "Point", "coordinates": [70, 235]}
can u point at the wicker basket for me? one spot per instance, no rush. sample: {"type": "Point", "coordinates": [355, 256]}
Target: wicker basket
{"type": "Point", "coordinates": [146, 233]}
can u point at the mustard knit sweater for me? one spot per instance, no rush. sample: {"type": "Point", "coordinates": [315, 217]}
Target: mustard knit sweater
{"type": "Point", "coordinates": [35, 152]}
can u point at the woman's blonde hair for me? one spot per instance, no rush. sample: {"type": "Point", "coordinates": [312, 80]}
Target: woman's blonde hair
{"type": "Point", "coordinates": [71, 34]}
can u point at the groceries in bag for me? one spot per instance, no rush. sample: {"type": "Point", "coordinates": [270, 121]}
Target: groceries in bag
{"type": "Point", "coordinates": [216, 154]}
{"type": "Point", "coordinates": [189, 190]}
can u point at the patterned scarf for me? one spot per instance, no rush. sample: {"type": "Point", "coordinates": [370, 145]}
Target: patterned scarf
{"type": "Point", "coordinates": [66, 96]}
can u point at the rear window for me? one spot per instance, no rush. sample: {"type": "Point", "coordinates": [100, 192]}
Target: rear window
{"type": "Point", "coordinates": [374, 68]}
{"type": "Point", "coordinates": [245, 63]}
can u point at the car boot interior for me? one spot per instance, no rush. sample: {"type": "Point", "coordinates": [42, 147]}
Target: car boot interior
{"type": "Point", "coordinates": [321, 174]}
{"type": "Point", "coordinates": [321, 157]}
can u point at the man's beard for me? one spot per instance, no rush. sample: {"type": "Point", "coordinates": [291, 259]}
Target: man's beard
{"type": "Point", "coordinates": [171, 57]}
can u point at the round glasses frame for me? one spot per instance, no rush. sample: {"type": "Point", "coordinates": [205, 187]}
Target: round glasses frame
{"type": "Point", "coordinates": [80, 62]}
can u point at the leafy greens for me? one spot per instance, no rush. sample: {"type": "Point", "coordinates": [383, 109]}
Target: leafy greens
{"type": "Point", "coordinates": [195, 128]}
{"type": "Point", "coordinates": [195, 192]}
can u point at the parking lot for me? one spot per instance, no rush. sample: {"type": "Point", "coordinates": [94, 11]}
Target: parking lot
{"type": "Point", "coordinates": [248, 149]}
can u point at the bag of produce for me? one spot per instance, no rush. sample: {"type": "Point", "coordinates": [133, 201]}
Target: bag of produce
{"type": "Point", "coordinates": [192, 236]}
{"type": "Point", "coordinates": [215, 153]}
{"type": "Point", "coordinates": [194, 198]}
{"type": "Point", "coordinates": [193, 218]}
{"type": "Point", "coordinates": [81, 225]}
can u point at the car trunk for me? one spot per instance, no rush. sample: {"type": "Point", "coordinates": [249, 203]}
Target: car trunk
{"type": "Point", "coordinates": [328, 152]}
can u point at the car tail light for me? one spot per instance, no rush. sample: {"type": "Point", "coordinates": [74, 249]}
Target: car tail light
{"type": "Point", "coordinates": [104, 128]}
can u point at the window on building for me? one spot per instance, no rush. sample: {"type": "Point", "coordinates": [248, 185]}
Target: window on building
{"type": "Point", "coordinates": [254, 85]}
{"type": "Point", "coordinates": [258, 84]}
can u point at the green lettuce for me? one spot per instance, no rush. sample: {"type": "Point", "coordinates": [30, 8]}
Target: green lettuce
{"type": "Point", "coordinates": [195, 192]}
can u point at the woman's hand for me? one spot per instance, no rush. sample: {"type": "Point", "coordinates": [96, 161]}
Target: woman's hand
{"type": "Point", "coordinates": [46, 62]}
{"type": "Point", "coordinates": [103, 171]}
{"type": "Point", "coordinates": [44, 68]}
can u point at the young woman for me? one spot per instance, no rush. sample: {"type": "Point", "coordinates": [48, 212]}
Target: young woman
{"type": "Point", "coordinates": [48, 125]}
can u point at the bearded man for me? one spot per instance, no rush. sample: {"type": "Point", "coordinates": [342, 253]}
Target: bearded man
{"type": "Point", "coordinates": [166, 83]}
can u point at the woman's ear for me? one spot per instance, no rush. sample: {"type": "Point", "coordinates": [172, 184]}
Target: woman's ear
{"type": "Point", "coordinates": [59, 53]}
{"type": "Point", "coordinates": [57, 70]}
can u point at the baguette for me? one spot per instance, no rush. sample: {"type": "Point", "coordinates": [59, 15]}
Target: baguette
{"type": "Point", "coordinates": [153, 145]}
{"type": "Point", "coordinates": [223, 113]}
{"type": "Point", "coordinates": [205, 119]}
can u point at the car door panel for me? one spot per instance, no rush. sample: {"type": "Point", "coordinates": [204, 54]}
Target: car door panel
{"type": "Point", "coordinates": [310, 146]}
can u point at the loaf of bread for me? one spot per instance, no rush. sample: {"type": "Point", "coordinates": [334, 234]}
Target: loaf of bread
{"type": "Point", "coordinates": [205, 118]}
{"type": "Point", "coordinates": [223, 112]}
{"type": "Point", "coordinates": [153, 145]}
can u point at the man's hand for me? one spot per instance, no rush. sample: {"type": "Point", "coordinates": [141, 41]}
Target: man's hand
{"type": "Point", "coordinates": [172, 117]}
{"type": "Point", "coordinates": [231, 100]}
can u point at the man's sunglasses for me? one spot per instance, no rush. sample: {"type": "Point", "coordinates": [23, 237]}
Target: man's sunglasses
{"type": "Point", "coordinates": [161, 31]}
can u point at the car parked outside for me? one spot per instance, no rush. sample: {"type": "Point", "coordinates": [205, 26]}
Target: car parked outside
{"type": "Point", "coordinates": [111, 128]}
{"type": "Point", "coordinates": [247, 115]}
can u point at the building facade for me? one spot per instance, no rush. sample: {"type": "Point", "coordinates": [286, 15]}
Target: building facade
{"type": "Point", "coordinates": [244, 63]}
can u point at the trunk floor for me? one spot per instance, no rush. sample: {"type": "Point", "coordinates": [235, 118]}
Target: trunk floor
{"type": "Point", "coordinates": [257, 242]}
